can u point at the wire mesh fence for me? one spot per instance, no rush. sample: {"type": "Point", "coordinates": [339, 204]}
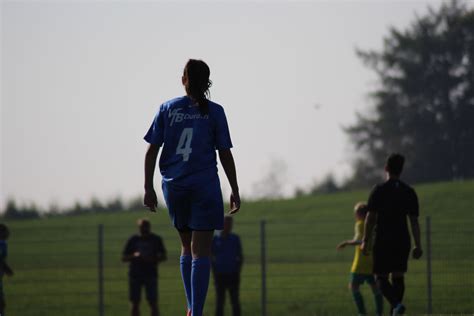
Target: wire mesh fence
{"type": "Point", "coordinates": [290, 268]}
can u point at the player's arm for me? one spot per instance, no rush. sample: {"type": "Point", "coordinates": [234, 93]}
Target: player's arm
{"type": "Point", "coordinates": [357, 240]}
{"type": "Point", "coordinates": [352, 242]}
{"type": "Point", "coordinates": [150, 200]}
{"type": "Point", "coordinates": [414, 212]}
{"type": "Point", "coordinates": [368, 229]}
{"type": "Point", "coordinates": [415, 230]}
{"type": "Point", "coordinates": [227, 161]}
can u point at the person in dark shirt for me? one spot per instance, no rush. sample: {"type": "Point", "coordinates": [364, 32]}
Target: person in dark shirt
{"type": "Point", "coordinates": [389, 205]}
{"type": "Point", "coordinates": [4, 267]}
{"type": "Point", "coordinates": [144, 252]}
{"type": "Point", "coordinates": [227, 262]}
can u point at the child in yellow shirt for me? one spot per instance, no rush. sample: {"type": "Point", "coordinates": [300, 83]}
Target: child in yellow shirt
{"type": "Point", "coordinates": [361, 270]}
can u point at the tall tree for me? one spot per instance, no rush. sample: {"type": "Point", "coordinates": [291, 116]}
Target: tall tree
{"type": "Point", "coordinates": [424, 102]}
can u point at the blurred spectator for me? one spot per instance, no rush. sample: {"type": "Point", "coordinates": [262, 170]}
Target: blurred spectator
{"type": "Point", "coordinates": [144, 252]}
{"type": "Point", "coordinates": [227, 262]}
{"type": "Point", "coordinates": [4, 267]}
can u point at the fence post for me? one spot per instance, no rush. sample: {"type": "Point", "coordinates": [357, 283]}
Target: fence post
{"type": "Point", "coordinates": [429, 308]}
{"type": "Point", "coordinates": [263, 264]}
{"type": "Point", "coordinates": [101, 269]}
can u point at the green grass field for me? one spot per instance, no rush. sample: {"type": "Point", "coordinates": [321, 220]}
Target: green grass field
{"type": "Point", "coordinates": [55, 259]}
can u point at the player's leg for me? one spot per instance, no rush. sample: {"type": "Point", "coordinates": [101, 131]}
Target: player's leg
{"type": "Point", "coordinates": [384, 259]}
{"type": "Point", "coordinates": [201, 269]}
{"type": "Point", "coordinates": [386, 288]}
{"type": "Point", "coordinates": [178, 201]}
{"type": "Point", "coordinates": [219, 282]}
{"type": "Point", "coordinates": [2, 298]}
{"type": "Point", "coordinates": [354, 287]}
{"type": "Point", "coordinates": [399, 269]}
{"type": "Point", "coordinates": [400, 266]}
{"type": "Point", "coordinates": [378, 297]}
{"type": "Point", "coordinates": [207, 214]}
{"type": "Point", "coordinates": [398, 282]}
{"type": "Point", "coordinates": [234, 285]}
{"type": "Point", "coordinates": [151, 289]}
{"type": "Point", "coordinates": [185, 262]}
{"type": "Point", "coordinates": [2, 306]}
{"type": "Point", "coordinates": [134, 288]}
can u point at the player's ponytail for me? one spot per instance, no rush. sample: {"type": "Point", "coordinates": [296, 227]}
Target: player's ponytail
{"type": "Point", "coordinates": [197, 73]}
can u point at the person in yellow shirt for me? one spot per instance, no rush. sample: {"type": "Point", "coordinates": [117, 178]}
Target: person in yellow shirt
{"type": "Point", "coordinates": [361, 270]}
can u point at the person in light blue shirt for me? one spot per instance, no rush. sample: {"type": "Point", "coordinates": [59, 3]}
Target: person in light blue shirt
{"type": "Point", "coordinates": [227, 259]}
{"type": "Point", "coordinates": [189, 130]}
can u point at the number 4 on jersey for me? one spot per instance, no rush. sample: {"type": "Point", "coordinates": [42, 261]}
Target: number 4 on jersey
{"type": "Point", "coordinates": [184, 144]}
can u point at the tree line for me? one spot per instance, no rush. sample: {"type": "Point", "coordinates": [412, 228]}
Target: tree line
{"type": "Point", "coordinates": [14, 210]}
{"type": "Point", "coordinates": [423, 105]}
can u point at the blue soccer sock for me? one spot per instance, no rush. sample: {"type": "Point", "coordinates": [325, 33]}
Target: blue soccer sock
{"type": "Point", "coordinates": [185, 266]}
{"type": "Point", "coordinates": [359, 300]}
{"type": "Point", "coordinates": [200, 274]}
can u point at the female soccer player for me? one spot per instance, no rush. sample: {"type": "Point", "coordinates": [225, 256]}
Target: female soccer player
{"type": "Point", "coordinates": [190, 129]}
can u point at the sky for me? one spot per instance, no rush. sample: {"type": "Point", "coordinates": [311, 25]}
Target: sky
{"type": "Point", "coordinates": [81, 82]}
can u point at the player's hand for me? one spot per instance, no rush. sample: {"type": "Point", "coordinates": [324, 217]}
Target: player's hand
{"type": "Point", "coordinates": [234, 203]}
{"type": "Point", "coordinates": [417, 253]}
{"type": "Point", "coordinates": [341, 245]}
{"type": "Point", "coordinates": [150, 200]}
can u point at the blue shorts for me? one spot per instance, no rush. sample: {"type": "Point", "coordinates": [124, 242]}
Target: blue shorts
{"type": "Point", "coordinates": [195, 208]}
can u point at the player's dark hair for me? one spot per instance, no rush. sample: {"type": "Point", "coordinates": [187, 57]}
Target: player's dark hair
{"type": "Point", "coordinates": [198, 72]}
{"type": "Point", "coordinates": [394, 164]}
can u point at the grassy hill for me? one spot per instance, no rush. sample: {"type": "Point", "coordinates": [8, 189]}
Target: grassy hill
{"type": "Point", "coordinates": [55, 259]}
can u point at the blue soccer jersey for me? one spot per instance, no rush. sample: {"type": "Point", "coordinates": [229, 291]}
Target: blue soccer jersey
{"type": "Point", "coordinates": [188, 165]}
{"type": "Point", "coordinates": [189, 140]}
{"type": "Point", "coordinates": [226, 253]}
